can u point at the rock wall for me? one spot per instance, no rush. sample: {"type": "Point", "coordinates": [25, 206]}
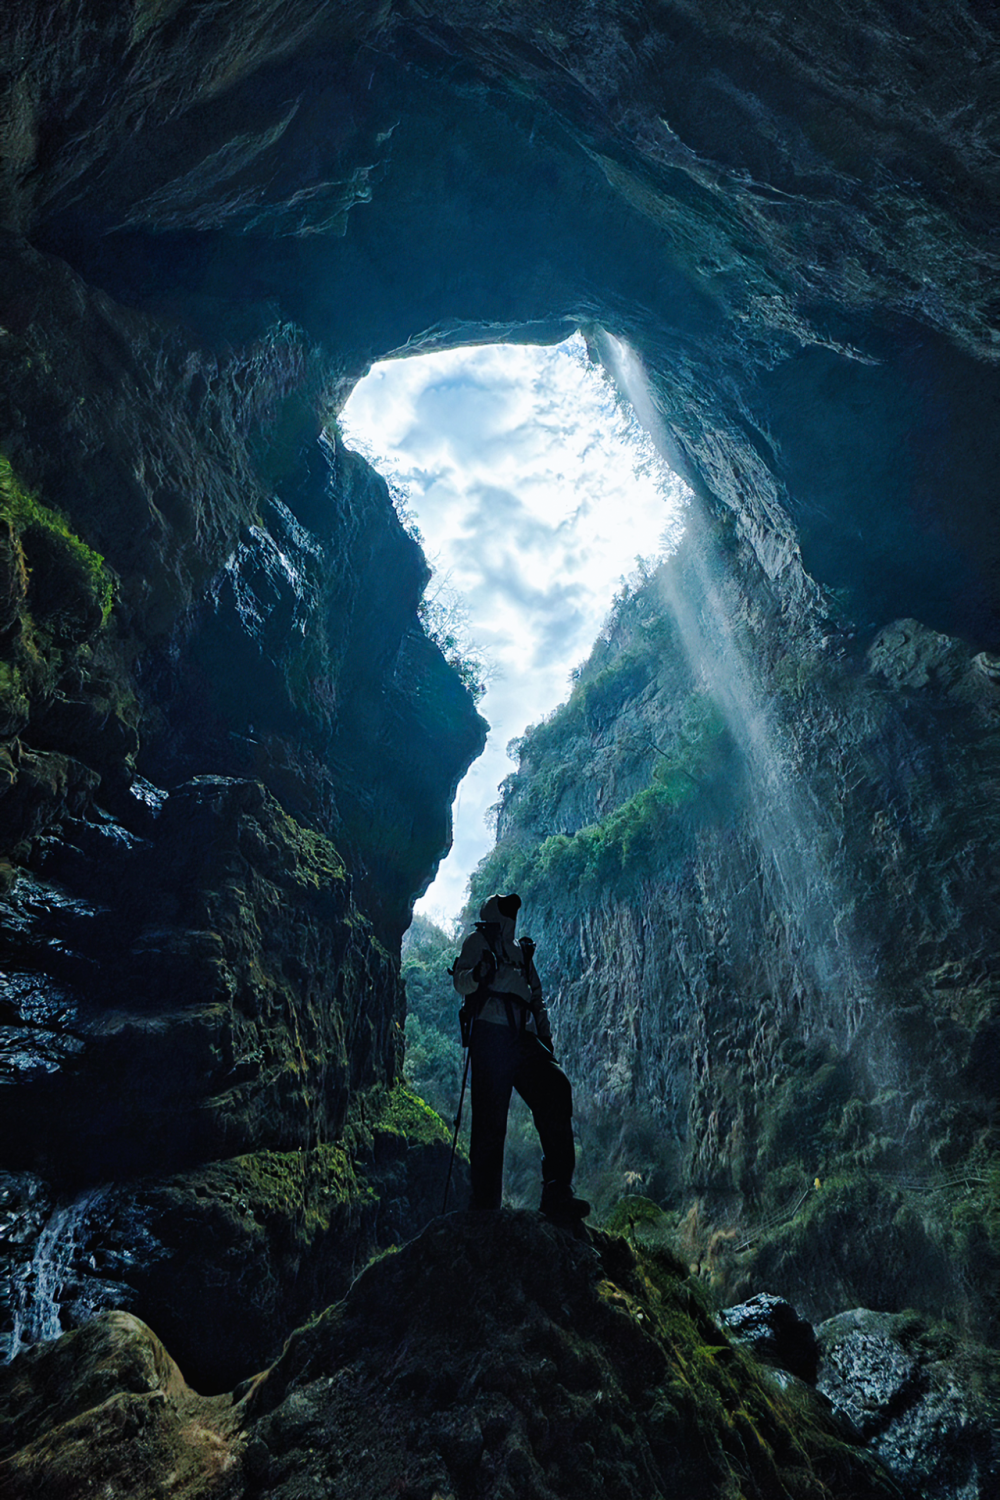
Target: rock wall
{"type": "Point", "coordinates": [760, 867]}
{"type": "Point", "coordinates": [791, 216]}
{"type": "Point", "coordinates": [228, 759]}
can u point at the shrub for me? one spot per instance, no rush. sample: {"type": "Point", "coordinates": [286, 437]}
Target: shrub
{"type": "Point", "coordinates": [628, 844]}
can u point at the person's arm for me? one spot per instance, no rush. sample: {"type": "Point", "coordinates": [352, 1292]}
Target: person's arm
{"type": "Point", "coordinates": [469, 971]}
{"type": "Point", "coordinates": [542, 1023]}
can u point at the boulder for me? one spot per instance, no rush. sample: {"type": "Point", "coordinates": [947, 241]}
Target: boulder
{"type": "Point", "coordinates": [772, 1328]}
{"type": "Point", "coordinates": [104, 1410]}
{"type": "Point", "coordinates": [499, 1356]}
{"type": "Point", "coordinates": [919, 1395]}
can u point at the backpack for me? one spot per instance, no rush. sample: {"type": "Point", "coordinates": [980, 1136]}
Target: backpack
{"type": "Point", "coordinates": [474, 1002]}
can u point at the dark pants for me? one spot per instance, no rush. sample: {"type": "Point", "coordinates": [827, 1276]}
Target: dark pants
{"type": "Point", "coordinates": [502, 1061]}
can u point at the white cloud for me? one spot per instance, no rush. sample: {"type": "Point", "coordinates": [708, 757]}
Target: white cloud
{"type": "Point", "coordinates": [536, 492]}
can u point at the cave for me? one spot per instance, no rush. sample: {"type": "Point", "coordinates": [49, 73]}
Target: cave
{"type": "Point", "coordinates": [758, 839]}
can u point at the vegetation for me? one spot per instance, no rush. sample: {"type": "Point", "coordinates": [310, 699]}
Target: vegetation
{"type": "Point", "coordinates": [444, 615]}
{"type": "Point", "coordinates": [403, 1113]}
{"type": "Point", "coordinates": [634, 1215]}
{"type": "Point", "coordinates": [434, 1059]}
{"type": "Point", "coordinates": [738, 1424]}
{"type": "Point", "coordinates": [49, 545]}
{"type": "Point", "coordinates": [302, 1190]}
{"type": "Point", "coordinates": [626, 845]}
{"type": "Point", "coordinates": [55, 595]}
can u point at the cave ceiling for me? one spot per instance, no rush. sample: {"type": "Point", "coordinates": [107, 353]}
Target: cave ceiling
{"type": "Point", "coordinates": [791, 214]}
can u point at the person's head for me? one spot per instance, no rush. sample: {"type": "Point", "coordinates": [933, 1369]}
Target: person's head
{"type": "Point", "coordinates": [501, 908]}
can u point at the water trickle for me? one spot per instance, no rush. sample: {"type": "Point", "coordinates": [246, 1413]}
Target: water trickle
{"type": "Point", "coordinates": [39, 1302]}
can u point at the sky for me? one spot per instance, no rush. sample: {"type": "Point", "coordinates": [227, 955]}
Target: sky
{"type": "Point", "coordinates": [535, 493]}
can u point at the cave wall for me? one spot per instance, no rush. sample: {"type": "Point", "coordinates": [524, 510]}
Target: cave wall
{"type": "Point", "coordinates": [224, 790]}
{"type": "Point", "coordinates": [790, 215]}
{"type": "Point", "coordinates": [228, 759]}
{"type": "Point", "coordinates": [759, 863]}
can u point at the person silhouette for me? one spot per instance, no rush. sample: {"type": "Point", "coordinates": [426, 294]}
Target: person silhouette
{"type": "Point", "coordinates": [506, 1028]}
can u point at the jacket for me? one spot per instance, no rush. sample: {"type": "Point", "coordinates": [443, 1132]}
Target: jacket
{"type": "Point", "coordinates": [516, 977]}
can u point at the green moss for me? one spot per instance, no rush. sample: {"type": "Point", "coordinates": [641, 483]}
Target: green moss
{"type": "Point", "coordinates": [305, 1189]}
{"type": "Point", "coordinates": [13, 697]}
{"type": "Point", "coordinates": [634, 838]}
{"type": "Point", "coordinates": [736, 1421]}
{"type": "Point", "coordinates": [401, 1112]}
{"type": "Point", "coordinates": [615, 852]}
{"type": "Point", "coordinates": [49, 530]}
{"type": "Point", "coordinates": [319, 864]}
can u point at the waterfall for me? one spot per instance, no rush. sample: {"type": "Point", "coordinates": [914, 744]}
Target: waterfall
{"type": "Point", "coordinates": [37, 1313]}
{"type": "Point", "coordinates": [790, 828]}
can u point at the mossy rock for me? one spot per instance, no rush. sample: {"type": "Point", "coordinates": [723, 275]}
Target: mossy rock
{"type": "Point", "coordinates": [15, 705]}
{"type": "Point", "coordinates": [497, 1355]}
{"type": "Point", "coordinates": [403, 1113]}
{"type": "Point", "coordinates": [13, 578]}
{"type": "Point", "coordinates": [69, 590]}
{"type": "Point", "coordinates": [64, 595]}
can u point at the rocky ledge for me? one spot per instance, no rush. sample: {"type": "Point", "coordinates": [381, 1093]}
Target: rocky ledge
{"type": "Point", "coordinates": [495, 1356]}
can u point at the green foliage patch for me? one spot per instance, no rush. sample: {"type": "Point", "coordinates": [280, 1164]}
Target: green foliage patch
{"type": "Point", "coordinates": [403, 1113]}
{"type": "Point", "coordinates": [632, 841]}
{"type": "Point", "coordinates": [637, 1217]}
{"type": "Point", "coordinates": [302, 1190]}
{"type": "Point", "coordinates": [434, 1059]}
{"type": "Point", "coordinates": [46, 532]}
{"type": "Point", "coordinates": [806, 1112]}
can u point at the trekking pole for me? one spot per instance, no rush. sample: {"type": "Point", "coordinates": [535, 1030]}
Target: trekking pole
{"type": "Point", "coordinates": [458, 1121]}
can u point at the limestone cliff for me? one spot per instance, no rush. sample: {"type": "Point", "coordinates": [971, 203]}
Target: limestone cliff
{"type": "Point", "coordinates": [229, 753]}
{"type": "Point", "coordinates": [760, 867]}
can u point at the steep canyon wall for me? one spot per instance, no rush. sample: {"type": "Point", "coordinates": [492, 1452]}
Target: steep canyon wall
{"type": "Point", "coordinates": [211, 834]}
{"type": "Point", "coordinates": [758, 857]}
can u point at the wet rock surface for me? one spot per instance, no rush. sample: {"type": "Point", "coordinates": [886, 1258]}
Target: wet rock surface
{"type": "Point", "coordinates": [204, 854]}
{"type": "Point", "coordinates": [224, 1259]}
{"type": "Point", "coordinates": [602, 1381]}
{"type": "Point", "coordinates": [772, 1328]}
{"type": "Point", "coordinates": [555, 1365]}
{"type": "Point", "coordinates": [924, 1404]}
{"type": "Point", "coordinates": [209, 931]}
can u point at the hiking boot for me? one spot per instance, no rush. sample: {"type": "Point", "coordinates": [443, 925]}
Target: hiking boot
{"type": "Point", "coordinates": [558, 1202]}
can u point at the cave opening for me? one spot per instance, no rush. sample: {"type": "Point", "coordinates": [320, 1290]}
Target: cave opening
{"type": "Point", "coordinates": [536, 491]}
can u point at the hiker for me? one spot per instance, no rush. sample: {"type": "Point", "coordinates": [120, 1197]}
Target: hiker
{"type": "Point", "coordinates": [506, 1028]}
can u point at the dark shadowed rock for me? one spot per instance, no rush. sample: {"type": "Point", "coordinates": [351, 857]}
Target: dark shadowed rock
{"type": "Point", "coordinates": [499, 1356]}
{"type": "Point", "coordinates": [772, 1328]}
{"type": "Point", "coordinates": [924, 1401]}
